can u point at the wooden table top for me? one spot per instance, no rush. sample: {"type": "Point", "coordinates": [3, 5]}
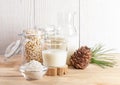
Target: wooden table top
{"type": "Point", "coordinates": [92, 75]}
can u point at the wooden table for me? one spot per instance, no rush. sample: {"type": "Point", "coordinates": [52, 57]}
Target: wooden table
{"type": "Point", "coordinates": [92, 75]}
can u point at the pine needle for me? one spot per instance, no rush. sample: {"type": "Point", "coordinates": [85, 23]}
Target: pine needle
{"type": "Point", "coordinates": [102, 63]}
{"type": "Point", "coordinates": [97, 57]}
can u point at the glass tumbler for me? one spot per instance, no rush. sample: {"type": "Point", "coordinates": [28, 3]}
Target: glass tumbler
{"type": "Point", "coordinates": [55, 51]}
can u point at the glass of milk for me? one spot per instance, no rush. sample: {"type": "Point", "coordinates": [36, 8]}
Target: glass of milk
{"type": "Point", "coordinates": [55, 51]}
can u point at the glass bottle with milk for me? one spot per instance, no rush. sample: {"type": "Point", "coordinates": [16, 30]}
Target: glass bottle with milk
{"type": "Point", "coordinates": [55, 50]}
{"type": "Point", "coordinates": [67, 27]}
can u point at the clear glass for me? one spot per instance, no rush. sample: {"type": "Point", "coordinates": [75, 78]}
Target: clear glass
{"type": "Point", "coordinates": [31, 46]}
{"type": "Point", "coordinates": [32, 75]}
{"type": "Point", "coordinates": [55, 51]}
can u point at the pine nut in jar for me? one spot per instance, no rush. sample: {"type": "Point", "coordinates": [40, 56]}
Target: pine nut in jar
{"type": "Point", "coordinates": [31, 45]}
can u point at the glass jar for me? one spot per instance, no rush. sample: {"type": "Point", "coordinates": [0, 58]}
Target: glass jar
{"type": "Point", "coordinates": [31, 45]}
{"type": "Point", "coordinates": [32, 67]}
{"type": "Point", "coordinates": [55, 51]}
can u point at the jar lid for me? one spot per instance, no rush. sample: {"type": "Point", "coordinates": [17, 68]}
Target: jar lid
{"type": "Point", "coordinates": [12, 49]}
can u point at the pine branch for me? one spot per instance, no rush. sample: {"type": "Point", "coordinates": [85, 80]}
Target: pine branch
{"type": "Point", "coordinates": [103, 63]}
{"type": "Point", "coordinates": [97, 57]}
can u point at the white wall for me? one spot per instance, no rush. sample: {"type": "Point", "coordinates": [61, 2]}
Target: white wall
{"type": "Point", "coordinates": [10, 22]}
{"type": "Point", "coordinates": [100, 23]}
{"type": "Point", "coordinates": [14, 16]}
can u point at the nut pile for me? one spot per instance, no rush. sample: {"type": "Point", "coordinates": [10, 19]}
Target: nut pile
{"type": "Point", "coordinates": [32, 46]}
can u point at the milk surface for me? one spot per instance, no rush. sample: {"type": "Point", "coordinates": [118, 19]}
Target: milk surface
{"type": "Point", "coordinates": [54, 57]}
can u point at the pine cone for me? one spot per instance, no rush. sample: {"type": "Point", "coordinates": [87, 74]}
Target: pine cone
{"type": "Point", "coordinates": [81, 58]}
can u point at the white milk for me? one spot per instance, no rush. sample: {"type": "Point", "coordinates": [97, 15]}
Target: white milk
{"type": "Point", "coordinates": [54, 57]}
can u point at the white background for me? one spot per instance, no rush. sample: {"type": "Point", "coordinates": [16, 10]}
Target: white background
{"type": "Point", "coordinates": [100, 23]}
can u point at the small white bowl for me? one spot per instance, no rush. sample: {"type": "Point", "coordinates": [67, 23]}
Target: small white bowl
{"type": "Point", "coordinates": [33, 75]}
